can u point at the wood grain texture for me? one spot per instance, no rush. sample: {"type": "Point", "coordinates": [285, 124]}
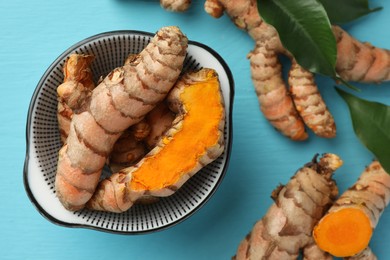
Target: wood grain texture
{"type": "Point", "coordinates": [34, 33]}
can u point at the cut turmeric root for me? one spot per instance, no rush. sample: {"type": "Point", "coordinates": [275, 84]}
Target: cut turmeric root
{"type": "Point", "coordinates": [287, 226]}
{"type": "Point", "coordinates": [78, 83]}
{"type": "Point", "coordinates": [347, 228]}
{"type": "Point", "coordinates": [194, 140]}
{"type": "Point", "coordinates": [122, 99]}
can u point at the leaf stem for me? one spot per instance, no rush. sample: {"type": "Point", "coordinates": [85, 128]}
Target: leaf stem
{"type": "Point", "coordinates": [346, 83]}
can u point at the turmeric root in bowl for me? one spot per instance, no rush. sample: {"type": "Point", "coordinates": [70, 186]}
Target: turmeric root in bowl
{"type": "Point", "coordinates": [180, 197]}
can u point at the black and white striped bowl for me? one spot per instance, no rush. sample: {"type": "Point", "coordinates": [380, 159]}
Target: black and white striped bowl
{"type": "Point", "coordinates": [43, 141]}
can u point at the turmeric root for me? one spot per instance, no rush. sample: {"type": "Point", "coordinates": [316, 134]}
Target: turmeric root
{"type": "Point", "coordinates": [366, 254]}
{"type": "Point", "coordinates": [141, 130]}
{"type": "Point", "coordinates": [289, 113]}
{"type": "Point", "coordinates": [140, 138]}
{"type": "Point", "coordinates": [194, 140]}
{"type": "Point", "coordinates": [276, 103]}
{"type": "Point", "coordinates": [348, 226]}
{"type": "Point", "coordinates": [287, 226]}
{"type": "Point", "coordinates": [308, 102]}
{"type": "Point", "coordinates": [78, 84]}
{"type": "Point", "coordinates": [175, 5]}
{"type": "Point", "coordinates": [360, 62]}
{"type": "Point", "coordinates": [128, 149]}
{"type": "Point", "coordinates": [355, 62]}
{"type": "Point", "coordinates": [160, 119]}
{"type": "Point", "coordinates": [124, 97]}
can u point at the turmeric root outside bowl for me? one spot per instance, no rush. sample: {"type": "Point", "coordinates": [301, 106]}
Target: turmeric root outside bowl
{"type": "Point", "coordinates": [43, 142]}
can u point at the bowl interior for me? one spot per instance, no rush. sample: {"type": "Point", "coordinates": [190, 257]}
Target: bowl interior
{"type": "Point", "coordinates": [43, 141]}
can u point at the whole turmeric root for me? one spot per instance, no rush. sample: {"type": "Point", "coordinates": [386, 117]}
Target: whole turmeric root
{"type": "Point", "coordinates": [289, 111]}
{"type": "Point", "coordinates": [194, 140]}
{"type": "Point", "coordinates": [360, 62]}
{"type": "Point", "coordinates": [129, 148]}
{"type": "Point", "coordinates": [287, 226]}
{"type": "Point", "coordinates": [122, 99]}
{"type": "Point", "coordinates": [348, 226]}
{"type": "Point", "coordinates": [78, 83]}
{"type": "Point", "coordinates": [139, 139]}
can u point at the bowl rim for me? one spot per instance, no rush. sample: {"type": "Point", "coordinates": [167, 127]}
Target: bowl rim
{"type": "Point", "coordinates": [33, 100]}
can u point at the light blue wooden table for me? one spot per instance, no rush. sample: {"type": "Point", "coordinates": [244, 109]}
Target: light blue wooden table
{"type": "Point", "coordinates": [34, 33]}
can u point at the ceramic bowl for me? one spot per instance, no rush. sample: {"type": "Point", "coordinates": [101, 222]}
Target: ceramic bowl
{"type": "Point", "coordinates": [43, 142]}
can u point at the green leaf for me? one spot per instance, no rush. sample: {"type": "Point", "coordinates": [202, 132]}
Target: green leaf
{"type": "Point", "coordinates": [345, 11]}
{"type": "Point", "coordinates": [371, 123]}
{"type": "Point", "coordinates": [305, 31]}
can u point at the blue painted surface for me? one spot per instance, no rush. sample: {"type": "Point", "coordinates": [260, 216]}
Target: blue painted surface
{"type": "Point", "coordinates": [34, 33]}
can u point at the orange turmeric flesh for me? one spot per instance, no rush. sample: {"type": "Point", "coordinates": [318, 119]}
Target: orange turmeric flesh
{"type": "Point", "coordinates": [343, 233]}
{"type": "Point", "coordinates": [200, 130]}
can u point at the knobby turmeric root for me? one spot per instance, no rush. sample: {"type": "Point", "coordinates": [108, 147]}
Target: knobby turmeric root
{"type": "Point", "coordinates": [194, 140]}
{"type": "Point", "coordinates": [289, 111]}
{"type": "Point", "coordinates": [129, 148]}
{"type": "Point", "coordinates": [309, 103]}
{"type": "Point", "coordinates": [360, 62]}
{"type": "Point", "coordinates": [287, 226]}
{"type": "Point", "coordinates": [275, 100]}
{"type": "Point", "coordinates": [78, 83]}
{"type": "Point", "coordinates": [160, 119]}
{"type": "Point", "coordinates": [348, 226]}
{"type": "Point", "coordinates": [175, 5]}
{"type": "Point", "coordinates": [122, 99]}
{"type": "Point", "coordinates": [366, 254]}
{"type": "Point", "coordinates": [140, 138]}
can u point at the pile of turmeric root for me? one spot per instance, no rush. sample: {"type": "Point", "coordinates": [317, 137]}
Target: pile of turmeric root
{"type": "Point", "coordinates": [290, 110]}
{"type": "Point", "coordinates": [137, 121]}
{"type": "Point", "coordinates": [150, 124]}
